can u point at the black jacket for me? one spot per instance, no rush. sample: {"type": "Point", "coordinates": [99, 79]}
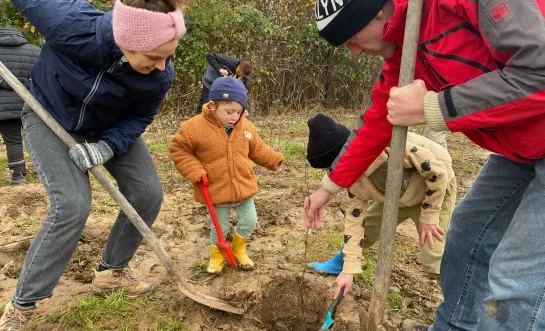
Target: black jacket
{"type": "Point", "coordinates": [216, 62]}
{"type": "Point", "coordinates": [19, 57]}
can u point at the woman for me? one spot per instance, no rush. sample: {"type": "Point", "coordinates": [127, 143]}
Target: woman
{"type": "Point", "coordinates": [102, 76]}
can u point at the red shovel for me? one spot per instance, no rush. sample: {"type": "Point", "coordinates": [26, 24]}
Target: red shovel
{"type": "Point", "coordinates": [222, 244]}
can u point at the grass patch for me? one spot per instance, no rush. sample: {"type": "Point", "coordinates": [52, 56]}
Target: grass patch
{"type": "Point", "coordinates": [161, 147]}
{"type": "Point", "coordinates": [28, 222]}
{"type": "Point", "coordinates": [200, 273]}
{"type": "Point", "coordinates": [351, 123]}
{"type": "Point", "coordinates": [297, 127]}
{"type": "Point", "coordinates": [116, 311]}
{"type": "Point", "coordinates": [99, 313]}
{"type": "Point", "coordinates": [322, 245]}
{"type": "Point", "coordinates": [395, 301]}
{"type": "Point", "coordinates": [367, 274]}
{"type": "Point", "coordinates": [317, 174]}
{"type": "Point", "coordinates": [3, 162]}
{"type": "Point", "coordinates": [171, 325]}
{"type": "Point", "coordinates": [292, 150]}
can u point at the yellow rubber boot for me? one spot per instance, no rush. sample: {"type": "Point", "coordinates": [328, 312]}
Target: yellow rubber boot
{"type": "Point", "coordinates": [215, 266]}
{"type": "Point", "coordinates": [239, 250]}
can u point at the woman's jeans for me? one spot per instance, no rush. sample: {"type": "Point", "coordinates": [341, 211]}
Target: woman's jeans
{"type": "Point", "coordinates": [69, 194]}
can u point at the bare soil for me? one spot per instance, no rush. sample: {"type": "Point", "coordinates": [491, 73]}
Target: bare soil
{"type": "Point", "coordinates": [274, 295]}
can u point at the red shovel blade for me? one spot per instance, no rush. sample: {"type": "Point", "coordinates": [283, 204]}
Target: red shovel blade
{"type": "Point", "coordinates": [223, 246]}
{"type": "Point", "coordinates": [226, 252]}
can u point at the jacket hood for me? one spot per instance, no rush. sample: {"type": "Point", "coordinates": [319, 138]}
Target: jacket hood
{"type": "Point", "coordinates": [10, 37]}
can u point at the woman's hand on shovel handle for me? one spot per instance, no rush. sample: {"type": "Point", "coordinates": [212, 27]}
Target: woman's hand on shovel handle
{"type": "Point", "coordinates": [314, 207]}
{"type": "Point", "coordinates": [346, 280]}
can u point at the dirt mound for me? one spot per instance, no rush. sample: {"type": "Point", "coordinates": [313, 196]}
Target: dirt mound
{"type": "Point", "coordinates": [87, 254]}
{"type": "Point", "coordinates": [282, 308]}
{"type": "Point", "coordinates": [272, 301]}
{"type": "Point", "coordinates": [21, 201]}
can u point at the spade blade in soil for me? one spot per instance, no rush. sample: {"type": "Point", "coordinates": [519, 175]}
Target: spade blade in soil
{"type": "Point", "coordinates": [329, 318]}
{"type": "Point", "coordinates": [328, 321]}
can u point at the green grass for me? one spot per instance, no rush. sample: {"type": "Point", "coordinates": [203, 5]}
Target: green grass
{"type": "Point", "coordinates": [297, 127]}
{"type": "Point", "coordinates": [351, 123]}
{"type": "Point", "coordinates": [292, 150]}
{"type": "Point", "coordinates": [201, 266]}
{"type": "Point", "coordinates": [119, 311]}
{"type": "Point", "coordinates": [368, 272]}
{"type": "Point", "coordinates": [395, 301]}
{"type": "Point", "coordinates": [321, 245]}
{"type": "Point", "coordinates": [317, 174]}
{"type": "Point", "coordinates": [171, 325]}
{"type": "Point", "coordinates": [100, 313]}
{"type": "Point", "coordinates": [161, 147]}
{"type": "Point", "coordinates": [28, 222]}
{"type": "Point", "coordinates": [3, 162]}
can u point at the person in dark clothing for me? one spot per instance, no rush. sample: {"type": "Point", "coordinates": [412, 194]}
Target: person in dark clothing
{"type": "Point", "coordinates": [102, 76]}
{"type": "Point", "coordinates": [220, 65]}
{"type": "Point", "coordinates": [19, 57]}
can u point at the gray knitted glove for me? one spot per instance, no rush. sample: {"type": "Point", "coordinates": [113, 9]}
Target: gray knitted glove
{"type": "Point", "coordinates": [85, 155]}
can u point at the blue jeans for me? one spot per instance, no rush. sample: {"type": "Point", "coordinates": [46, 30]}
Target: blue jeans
{"type": "Point", "coordinates": [493, 268]}
{"type": "Point", "coordinates": [69, 194]}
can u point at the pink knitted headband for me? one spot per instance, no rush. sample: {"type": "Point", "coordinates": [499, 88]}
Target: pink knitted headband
{"type": "Point", "coordinates": [137, 29]}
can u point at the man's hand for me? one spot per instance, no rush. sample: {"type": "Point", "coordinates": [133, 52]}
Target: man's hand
{"type": "Point", "coordinates": [224, 72]}
{"type": "Point", "coordinates": [346, 280]}
{"type": "Point", "coordinates": [406, 104]}
{"type": "Point", "coordinates": [428, 231]}
{"type": "Point", "coordinates": [314, 207]}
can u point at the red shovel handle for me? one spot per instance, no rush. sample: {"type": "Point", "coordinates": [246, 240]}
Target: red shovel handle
{"type": "Point", "coordinates": [222, 244]}
{"type": "Point", "coordinates": [203, 183]}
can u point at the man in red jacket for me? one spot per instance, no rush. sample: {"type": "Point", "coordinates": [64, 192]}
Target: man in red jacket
{"type": "Point", "coordinates": [480, 70]}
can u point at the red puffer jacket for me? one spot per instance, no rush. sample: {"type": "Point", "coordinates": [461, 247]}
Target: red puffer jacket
{"type": "Point", "coordinates": [486, 59]}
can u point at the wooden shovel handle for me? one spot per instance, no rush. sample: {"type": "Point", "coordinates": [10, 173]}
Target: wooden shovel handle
{"type": "Point", "coordinates": [127, 208]}
{"type": "Point", "coordinates": [394, 175]}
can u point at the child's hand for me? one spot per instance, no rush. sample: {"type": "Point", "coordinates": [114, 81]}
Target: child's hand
{"type": "Point", "coordinates": [346, 280]}
{"type": "Point", "coordinates": [428, 231]}
{"type": "Point", "coordinates": [278, 165]}
{"type": "Point", "coordinates": [224, 72]}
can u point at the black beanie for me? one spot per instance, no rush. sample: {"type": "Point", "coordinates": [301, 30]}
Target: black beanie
{"type": "Point", "coordinates": [325, 140]}
{"type": "Point", "coordinates": [340, 20]}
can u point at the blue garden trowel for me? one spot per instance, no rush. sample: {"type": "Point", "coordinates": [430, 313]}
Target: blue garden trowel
{"type": "Point", "coordinates": [329, 317]}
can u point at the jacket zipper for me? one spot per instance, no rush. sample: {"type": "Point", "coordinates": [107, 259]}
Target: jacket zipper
{"type": "Point", "coordinates": [93, 91]}
{"type": "Point", "coordinates": [438, 78]}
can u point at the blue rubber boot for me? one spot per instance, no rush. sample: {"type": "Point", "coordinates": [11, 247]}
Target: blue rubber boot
{"type": "Point", "coordinates": [333, 266]}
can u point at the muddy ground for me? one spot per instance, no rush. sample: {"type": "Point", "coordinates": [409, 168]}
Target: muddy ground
{"type": "Point", "coordinates": [271, 294]}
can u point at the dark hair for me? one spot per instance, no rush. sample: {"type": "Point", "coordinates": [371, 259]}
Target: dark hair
{"type": "Point", "coordinates": [160, 6]}
{"type": "Point", "coordinates": [246, 67]}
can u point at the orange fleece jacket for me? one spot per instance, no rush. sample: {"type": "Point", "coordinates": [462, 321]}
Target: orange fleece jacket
{"type": "Point", "coordinates": [201, 146]}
